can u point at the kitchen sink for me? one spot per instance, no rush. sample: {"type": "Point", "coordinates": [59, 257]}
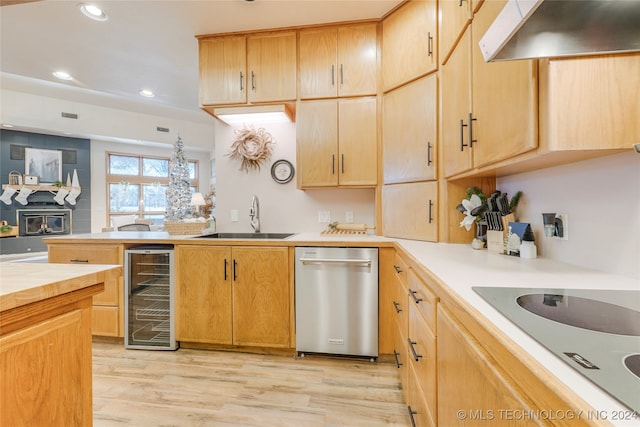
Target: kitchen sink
{"type": "Point", "coordinates": [246, 236]}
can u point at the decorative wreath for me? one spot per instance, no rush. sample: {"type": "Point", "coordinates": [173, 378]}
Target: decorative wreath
{"type": "Point", "coordinates": [252, 146]}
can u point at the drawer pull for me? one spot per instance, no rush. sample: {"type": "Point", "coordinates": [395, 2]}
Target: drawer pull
{"type": "Point", "coordinates": [398, 362]}
{"type": "Point", "coordinates": [411, 414]}
{"type": "Point", "coordinates": [79, 260]}
{"type": "Point", "coordinates": [415, 298]}
{"type": "Point", "coordinates": [413, 350]}
{"type": "Point", "coordinates": [397, 268]}
{"type": "Point", "coordinates": [397, 307]}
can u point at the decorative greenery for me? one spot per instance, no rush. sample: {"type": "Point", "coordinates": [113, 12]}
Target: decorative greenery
{"type": "Point", "coordinates": [475, 205]}
{"type": "Point", "coordinates": [5, 228]}
{"type": "Point", "coordinates": [58, 184]}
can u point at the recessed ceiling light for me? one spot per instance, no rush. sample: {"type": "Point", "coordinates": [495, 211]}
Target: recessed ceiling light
{"type": "Point", "coordinates": [62, 75]}
{"type": "Point", "coordinates": [147, 93]}
{"type": "Point", "coordinates": [93, 12]}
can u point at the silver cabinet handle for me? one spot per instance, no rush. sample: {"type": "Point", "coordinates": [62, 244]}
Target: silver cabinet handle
{"type": "Point", "coordinates": [366, 262]}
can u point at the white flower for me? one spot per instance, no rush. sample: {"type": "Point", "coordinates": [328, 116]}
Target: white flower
{"type": "Point", "coordinates": [469, 206]}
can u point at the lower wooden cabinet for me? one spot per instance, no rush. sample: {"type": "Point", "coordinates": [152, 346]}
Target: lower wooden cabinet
{"type": "Point", "coordinates": [45, 363]}
{"type": "Point", "coordinates": [472, 388]}
{"type": "Point", "coordinates": [233, 295]}
{"type": "Point", "coordinates": [108, 306]}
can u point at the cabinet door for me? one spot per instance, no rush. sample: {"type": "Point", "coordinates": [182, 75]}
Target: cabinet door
{"type": "Point", "coordinates": [410, 131]}
{"type": "Point", "coordinates": [456, 108]}
{"type": "Point", "coordinates": [203, 294]}
{"type": "Point", "coordinates": [357, 60]}
{"type": "Point", "coordinates": [318, 60]}
{"type": "Point", "coordinates": [409, 43]}
{"type": "Point", "coordinates": [410, 210]}
{"type": "Point", "coordinates": [454, 17]}
{"type": "Point", "coordinates": [601, 117]}
{"type": "Point", "coordinates": [46, 373]}
{"type": "Point", "coordinates": [223, 65]}
{"type": "Point", "coordinates": [261, 297]}
{"type": "Point", "coordinates": [357, 141]}
{"type": "Point", "coordinates": [272, 67]}
{"type": "Point", "coordinates": [462, 364]}
{"type": "Point", "coordinates": [422, 355]}
{"type": "Point", "coordinates": [504, 99]}
{"type": "Point", "coordinates": [317, 143]}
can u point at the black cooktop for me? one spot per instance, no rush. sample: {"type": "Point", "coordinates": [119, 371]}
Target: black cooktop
{"type": "Point", "coordinates": [596, 332]}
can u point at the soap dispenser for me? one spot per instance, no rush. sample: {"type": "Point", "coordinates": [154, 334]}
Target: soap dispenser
{"type": "Point", "coordinates": [528, 247]}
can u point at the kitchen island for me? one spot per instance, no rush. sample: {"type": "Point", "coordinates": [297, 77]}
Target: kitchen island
{"type": "Point", "coordinates": [45, 342]}
{"type": "Point", "coordinates": [553, 392]}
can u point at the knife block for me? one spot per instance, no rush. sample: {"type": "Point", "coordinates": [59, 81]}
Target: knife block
{"type": "Point", "coordinates": [496, 238]}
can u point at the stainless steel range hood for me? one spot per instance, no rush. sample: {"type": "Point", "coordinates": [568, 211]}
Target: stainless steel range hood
{"type": "Point", "coordinates": [527, 29]}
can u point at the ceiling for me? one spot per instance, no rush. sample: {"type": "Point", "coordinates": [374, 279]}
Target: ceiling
{"type": "Point", "coordinates": [144, 44]}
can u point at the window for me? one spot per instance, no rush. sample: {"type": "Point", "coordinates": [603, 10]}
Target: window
{"type": "Point", "coordinates": [137, 185]}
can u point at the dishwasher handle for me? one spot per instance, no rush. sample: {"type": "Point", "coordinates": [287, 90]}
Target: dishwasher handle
{"type": "Point", "coordinates": [366, 262]}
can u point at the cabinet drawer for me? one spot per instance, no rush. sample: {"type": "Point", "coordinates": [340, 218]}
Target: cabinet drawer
{"type": "Point", "coordinates": [401, 307]}
{"type": "Point", "coordinates": [401, 359]}
{"type": "Point", "coordinates": [85, 254]}
{"type": "Point", "coordinates": [424, 300]}
{"type": "Point", "coordinates": [422, 354]}
{"type": "Point", "coordinates": [416, 404]}
{"type": "Point", "coordinates": [401, 269]}
{"type": "Point", "coordinates": [105, 321]}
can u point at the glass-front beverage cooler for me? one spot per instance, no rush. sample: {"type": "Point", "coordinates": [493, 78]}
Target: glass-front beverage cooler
{"type": "Point", "coordinates": [149, 302]}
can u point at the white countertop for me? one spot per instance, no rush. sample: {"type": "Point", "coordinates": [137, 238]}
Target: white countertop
{"type": "Point", "coordinates": [461, 267]}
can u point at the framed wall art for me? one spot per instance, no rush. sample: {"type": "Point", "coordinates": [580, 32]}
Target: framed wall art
{"type": "Point", "coordinates": [46, 164]}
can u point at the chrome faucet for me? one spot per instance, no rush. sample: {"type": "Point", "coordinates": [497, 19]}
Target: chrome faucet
{"type": "Point", "coordinates": [254, 214]}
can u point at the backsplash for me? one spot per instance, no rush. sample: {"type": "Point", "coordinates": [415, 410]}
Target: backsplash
{"type": "Point", "coordinates": [601, 197]}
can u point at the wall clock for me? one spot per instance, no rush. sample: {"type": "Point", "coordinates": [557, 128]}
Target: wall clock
{"type": "Point", "coordinates": [282, 171]}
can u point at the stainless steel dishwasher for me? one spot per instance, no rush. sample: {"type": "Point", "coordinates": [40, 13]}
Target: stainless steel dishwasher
{"type": "Point", "coordinates": [337, 301]}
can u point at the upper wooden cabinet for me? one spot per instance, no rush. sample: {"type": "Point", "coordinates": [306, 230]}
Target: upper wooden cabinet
{"type": "Point", "coordinates": [454, 16]}
{"type": "Point", "coordinates": [490, 114]}
{"type": "Point", "coordinates": [337, 143]}
{"type": "Point", "coordinates": [248, 69]}
{"type": "Point", "coordinates": [223, 70]}
{"type": "Point", "coordinates": [338, 61]}
{"type": "Point", "coordinates": [590, 103]}
{"type": "Point", "coordinates": [409, 43]}
{"type": "Point", "coordinates": [409, 123]}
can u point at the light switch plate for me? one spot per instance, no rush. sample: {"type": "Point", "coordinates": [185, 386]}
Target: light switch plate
{"type": "Point", "coordinates": [348, 217]}
{"type": "Point", "coordinates": [324, 217]}
{"type": "Point", "coordinates": [234, 215]}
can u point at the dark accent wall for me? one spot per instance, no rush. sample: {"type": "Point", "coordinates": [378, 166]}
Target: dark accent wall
{"type": "Point", "coordinates": [76, 154]}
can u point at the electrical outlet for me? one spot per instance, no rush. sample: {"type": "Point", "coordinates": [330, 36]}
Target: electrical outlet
{"type": "Point", "coordinates": [234, 215]}
{"type": "Point", "coordinates": [348, 217]}
{"type": "Point", "coordinates": [565, 226]}
{"type": "Point", "coordinates": [324, 217]}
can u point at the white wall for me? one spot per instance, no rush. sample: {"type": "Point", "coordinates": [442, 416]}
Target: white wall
{"type": "Point", "coordinates": [99, 190]}
{"type": "Point", "coordinates": [283, 207]}
{"type": "Point", "coordinates": [601, 197]}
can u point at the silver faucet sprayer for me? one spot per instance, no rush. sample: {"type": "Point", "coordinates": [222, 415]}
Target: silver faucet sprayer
{"type": "Point", "coordinates": [254, 214]}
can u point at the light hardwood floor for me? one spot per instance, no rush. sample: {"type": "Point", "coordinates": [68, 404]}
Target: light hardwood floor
{"type": "Point", "coordinates": [214, 388]}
